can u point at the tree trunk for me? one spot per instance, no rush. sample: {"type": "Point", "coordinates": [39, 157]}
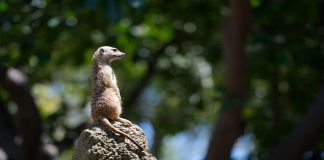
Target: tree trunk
{"type": "Point", "coordinates": [229, 125]}
{"type": "Point", "coordinates": [29, 122]}
{"type": "Point", "coordinates": [7, 134]}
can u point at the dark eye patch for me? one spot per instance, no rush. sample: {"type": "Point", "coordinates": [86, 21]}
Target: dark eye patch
{"type": "Point", "coordinates": [114, 50]}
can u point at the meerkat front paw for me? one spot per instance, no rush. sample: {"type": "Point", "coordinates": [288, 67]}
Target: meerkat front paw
{"type": "Point", "coordinates": [125, 121]}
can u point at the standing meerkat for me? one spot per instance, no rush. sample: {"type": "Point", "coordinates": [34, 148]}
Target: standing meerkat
{"type": "Point", "coordinates": [105, 99]}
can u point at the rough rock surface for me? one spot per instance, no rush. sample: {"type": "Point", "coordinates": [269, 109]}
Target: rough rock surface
{"type": "Point", "coordinates": [99, 143]}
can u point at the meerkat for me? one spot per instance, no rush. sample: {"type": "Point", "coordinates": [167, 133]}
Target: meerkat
{"type": "Point", "coordinates": [105, 99]}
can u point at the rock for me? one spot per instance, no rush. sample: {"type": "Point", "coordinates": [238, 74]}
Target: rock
{"type": "Point", "coordinates": [99, 143]}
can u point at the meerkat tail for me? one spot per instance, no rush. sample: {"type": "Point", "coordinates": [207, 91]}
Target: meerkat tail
{"type": "Point", "coordinates": [114, 129]}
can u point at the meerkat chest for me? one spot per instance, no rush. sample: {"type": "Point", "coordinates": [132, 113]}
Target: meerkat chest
{"type": "Point", "coordinates": [109, 71]}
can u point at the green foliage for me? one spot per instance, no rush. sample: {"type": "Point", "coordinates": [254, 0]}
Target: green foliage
{"type": "Point", "coordinates": [285, 53]}
{"type": "Point", "coordinates": [52, 43]}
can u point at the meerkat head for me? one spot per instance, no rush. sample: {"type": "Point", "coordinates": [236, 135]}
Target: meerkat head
{"type": "Point", "coordinates": [107, 54]}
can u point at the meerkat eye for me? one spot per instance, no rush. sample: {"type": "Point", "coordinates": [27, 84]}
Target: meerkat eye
{"type": "Point", "coordinates": [114, 50]}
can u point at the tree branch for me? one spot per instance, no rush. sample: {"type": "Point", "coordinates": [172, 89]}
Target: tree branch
{"type": "Point", "coordinates": [275, 106]}
{"type": "Point", "coordinates": [146, 78]}
{"type": "Point", "coordinates": [306, 133]}
{"type": "Point", "coordinates": [29, 122]}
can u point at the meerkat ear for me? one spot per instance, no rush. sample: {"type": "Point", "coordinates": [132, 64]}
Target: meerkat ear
{"type": "Point", "coordinates": [101, 51]}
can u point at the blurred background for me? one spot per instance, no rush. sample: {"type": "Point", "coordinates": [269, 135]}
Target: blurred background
{"type": "Point", "coordinates": [205, 79]}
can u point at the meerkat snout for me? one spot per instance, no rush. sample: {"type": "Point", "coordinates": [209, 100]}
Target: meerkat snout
{"type": "Point", "coordinates": [107, 54]}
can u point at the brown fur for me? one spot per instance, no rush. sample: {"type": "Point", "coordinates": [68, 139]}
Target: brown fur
{"type": "Point", "coordinates": [106, 101]}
